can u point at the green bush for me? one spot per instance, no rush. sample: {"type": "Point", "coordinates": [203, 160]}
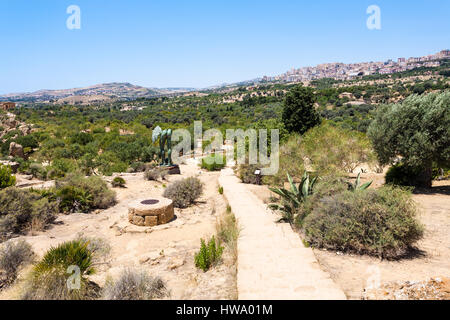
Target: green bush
{"type": "Point", "coordinates": [135, 285]}
{"type": "Point", "coordinates": [209, 255]}
{"type": "Point", "coordinates": [213, 163]}
{"type": "Point", "coordinates": [378, 222]}
{"type": "Point", "coordinates": [13, 255]}
{"type": "Point", "coordinates": [73, 199]}
{"type": "Point", "coordinates": [403, 175]}
{"type": "Point", "coordinates": [38, 171]}
{"type": "Point", "coordinates": [18, 209]}
{"type": "Point", "coordinates": [246, 172]}
{"type": "Point", "coordinates": [118, 182]}
{"type": "Point", "coordinates": [184, 192]}
{"type": "Point", "coordinates": [50, 276]}
{"type": "Point", "coordinates": [6, 178]}
{"type": "Point", "coordinates": [94, 188]}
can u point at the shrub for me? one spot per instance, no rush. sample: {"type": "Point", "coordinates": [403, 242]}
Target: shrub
{"type": "Point", "coordinates": [291, 161]}
{"type": "Point", "coordinates": [214, 162]}
{"type": "Point", "coordinates": [184, 192]}
{"type": "Point", "coordinates": [138, 167]}
{"type": "Point", "coordinates": [50, 276]}
{"type": "Point", "coordinates": [6, 178]}
{"type": "Point", "coordinates": [152, 174]}
{"type": "Point", "coordinates": [134, 285]}
{"type": "Point", "coordinates": [94, 188]}
{"type": "Point", "coordinates": [37, 171]}
{"type": "Point", "coordinates": [403, 175]}
{"type": "Point", "coordinates": [13, 255]}
{"type": "Point", "coordinates": [378, 222]}
{"type": "Point", "coordinates": [246, 172]}
{"type": "Point", "coordinates": [73, 199]}
{"type": "Point", "coordinates": [209, 255]}
{"type": "Point", "coordinates": [118, 182]}
{"type": "Point", "coordinates": [99, 248]}
{"type": "Point", "coordinates": [331, 149]}
{"type": "Point", "coordinates": [220, 190]}
{"type": "Point", "coordinates": [18, 209]}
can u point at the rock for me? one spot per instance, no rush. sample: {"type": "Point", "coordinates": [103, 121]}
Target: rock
{"type": "Point", "coordinates": [10, 123]}
{"type": "Point", "coordinates": [28, 177]}
{"type": "Point", "coordinates": [16, 150]}
{"type": "Point", "coordinates": [150, 257]}
{"type": "Point", "coordinates": [132, 229]}
{"type": "Point", "coordinates": [176, 263]}
{"type": "Point", "coordinates": [25, 129]}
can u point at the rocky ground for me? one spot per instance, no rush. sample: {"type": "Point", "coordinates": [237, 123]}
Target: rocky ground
{"type": "Point", "coordinates": [166, 251]}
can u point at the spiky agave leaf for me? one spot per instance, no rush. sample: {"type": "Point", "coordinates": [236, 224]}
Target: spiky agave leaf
{"type": "Point", "coordinates": [291, 182]}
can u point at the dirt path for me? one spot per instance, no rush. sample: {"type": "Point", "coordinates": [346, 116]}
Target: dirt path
{"type": "Point", "coordinates": [272, 262]}
{"type": "Point", "coordinates": [167, 251]}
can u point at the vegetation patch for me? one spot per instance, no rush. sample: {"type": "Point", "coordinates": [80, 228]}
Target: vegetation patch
{"type": "Point", "coordinates": [20, 209]}
{"type": "Point", "coordinates": [184, 192]}
{"type": "Point", "coordinates": [51, 276]}
{"type": "Point", "coordinates": [378, 222]}
{"type": "Point", "coordinates": [209, 254]}
{"type": "Point", "coordinates": [135, 285]}
{"type": "Point", "coordinates": [14, 255]}
{"type": "Point", "coordinates": [214, 162]}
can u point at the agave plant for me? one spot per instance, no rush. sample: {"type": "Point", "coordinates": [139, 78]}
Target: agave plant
{"type": "Point", "coordinates": [291, 200]}
{"type": "Point", "coordinates": [357, 185]}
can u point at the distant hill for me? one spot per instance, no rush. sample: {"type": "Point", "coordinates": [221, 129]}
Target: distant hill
{"type": "Point", "coordinates": [97, 93]}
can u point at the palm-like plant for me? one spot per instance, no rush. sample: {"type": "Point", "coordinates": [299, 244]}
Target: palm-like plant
{"type": "Point", "coordinates": [357, 185]}
{"type": "Point", "coordinates": [291, 200]}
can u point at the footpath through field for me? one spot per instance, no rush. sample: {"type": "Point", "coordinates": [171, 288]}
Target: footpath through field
{"type": "Point", "coordinates": [273, 264]}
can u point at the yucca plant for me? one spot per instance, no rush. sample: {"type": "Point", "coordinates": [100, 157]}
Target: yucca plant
{"type": "Point", "coordinates": [291, 200]}
{"type": "Point", "coordinates": [357, 185]}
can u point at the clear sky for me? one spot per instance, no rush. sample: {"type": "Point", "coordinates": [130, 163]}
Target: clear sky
{"type": "Point", "coordinates": [164, 43]}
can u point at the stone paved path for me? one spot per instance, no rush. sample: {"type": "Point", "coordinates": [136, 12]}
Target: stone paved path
{"type": "Point", "coordinates": [273, 264]}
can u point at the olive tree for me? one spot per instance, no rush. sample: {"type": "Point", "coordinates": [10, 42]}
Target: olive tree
{"type": "Point", "coordinates": [417, 131]}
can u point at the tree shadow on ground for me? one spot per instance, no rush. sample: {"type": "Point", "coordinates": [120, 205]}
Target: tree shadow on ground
{"type": "Point", "coordinates": [411, 254]}
{"type": "Point", "coordinates": [442, 190]}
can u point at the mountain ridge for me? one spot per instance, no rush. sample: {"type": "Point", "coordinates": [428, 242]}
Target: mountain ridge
{"type": "Point", "coordinates": [98, 92]}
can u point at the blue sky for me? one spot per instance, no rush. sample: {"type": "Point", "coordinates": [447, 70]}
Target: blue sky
{"type": "Point", "coordinates": [164, 43]}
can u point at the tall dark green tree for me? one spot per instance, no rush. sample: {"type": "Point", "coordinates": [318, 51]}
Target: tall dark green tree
{"type": "Point", "coordinates": [416, 131]}
{"type": "Point", "coordinates": [299, 114]}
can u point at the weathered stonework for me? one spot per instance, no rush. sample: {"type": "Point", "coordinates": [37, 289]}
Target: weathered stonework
{"type": "Point", "coordinates": [150, 213]}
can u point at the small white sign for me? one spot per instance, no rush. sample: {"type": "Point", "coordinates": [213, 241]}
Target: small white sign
{"type": "Point", "coordinates": [258, 172]}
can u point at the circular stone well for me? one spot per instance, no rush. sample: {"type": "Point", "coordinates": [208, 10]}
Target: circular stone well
{"type": "Point", "coordinates": [150, 212]}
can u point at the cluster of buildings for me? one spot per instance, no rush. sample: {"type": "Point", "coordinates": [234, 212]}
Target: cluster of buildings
{"type": "Point", "coordinates": [342, 71]}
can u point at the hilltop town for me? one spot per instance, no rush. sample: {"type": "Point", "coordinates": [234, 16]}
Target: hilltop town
{"type": "Point", "coordinates": [342, 71]}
